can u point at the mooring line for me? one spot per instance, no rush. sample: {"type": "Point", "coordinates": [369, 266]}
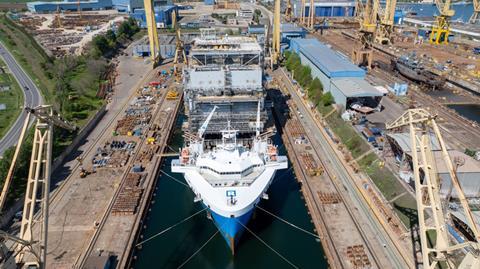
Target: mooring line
{"type": "Point", "coordinates": [198, 250]}
{"type": "Point", "coordinates": [171, 227]}
{"type": "Point", "coordinates": [288, 223]}
{"type": "Point", "coordinates": [271, 248]}
{"type": "Point", "coordinates": [171, 177]}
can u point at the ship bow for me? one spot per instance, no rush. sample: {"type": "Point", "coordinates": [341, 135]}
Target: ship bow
{"type": "Point", "coordinates": [231, 227]}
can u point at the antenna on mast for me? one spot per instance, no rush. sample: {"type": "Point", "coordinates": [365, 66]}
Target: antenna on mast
{"type": "Point", "coordinates": [257, 134]}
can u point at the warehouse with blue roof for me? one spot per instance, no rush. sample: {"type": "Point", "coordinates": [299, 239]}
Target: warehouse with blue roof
{"type": "Point", "coordinates": [339, 76]}
{"type": "Point", "coordinates": [69, 5]}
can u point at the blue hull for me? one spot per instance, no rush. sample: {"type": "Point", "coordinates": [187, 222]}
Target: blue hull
{"type": "Point", "coordinates": [231, 228]}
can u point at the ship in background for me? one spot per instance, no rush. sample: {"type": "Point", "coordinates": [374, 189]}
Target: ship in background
{"type": "Point", "coordinates": [412, 68]}
{"type": "Point", "coordinates": [228, 159]}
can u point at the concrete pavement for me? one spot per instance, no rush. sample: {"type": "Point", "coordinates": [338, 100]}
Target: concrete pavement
{"type": "Point", "coordinates": [32, 98]}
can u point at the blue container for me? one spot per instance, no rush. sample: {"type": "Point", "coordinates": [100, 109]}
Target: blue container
{"type": "Point", "coordinates": [209, 2]}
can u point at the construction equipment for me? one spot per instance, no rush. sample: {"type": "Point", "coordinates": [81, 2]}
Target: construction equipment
{"type": "Point", "coordinates": [289, 11]}
{"type": "Point", "coordinates": [38, 184]}
{"type": "Point", "coordinates": [476, 11]}
{"type": "Point", "coordinates": [172, 94]}
{"type": "Point", "coordinates": [152, 32]}
{"type": "Point", "coordinates": [302, 15]}
{"type": "Point", "coordinates": [57, 19]}
{"type": "Point", "coordinates": [311, 15]}
{"type": "Point", "coordinates": [441, 26]}
{"type": "Point", "coordinates": [83, 172]}
{"type": "Point", "coordinates": [79, 10]}
{"type": "Point", "coordinates": [367, 16]}
{"type": "Point", "coordinates": [421, 125]}
{"type": "Point", "coordinates": [384, 34]}
{"type": "Point", "coordinates": [179, 48]}
{"type": "Point", "coordinates": [275, 54]}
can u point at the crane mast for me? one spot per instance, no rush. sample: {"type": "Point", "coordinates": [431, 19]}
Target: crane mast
{"type": "Point", "coordinates": [367, 17]}
{"type": "Point", "coordinates": [421, 125]}
{"type": "Point", "coordinates": [385, 22]}
{"type": "Point", "coordinates": [179, 47]}
{"type": "Point", "coordinates": [276, 34]}
{"type": "Point", "coordinates": [289, 11]}
{"type": "Point", "coordinates": [152, 32]}
{"type": "Point", "coordinates": [38, 184]}
{"type": "Point", "coordinates": [441, 26]}
{"type": "Point", "coordinates": [476, 11]}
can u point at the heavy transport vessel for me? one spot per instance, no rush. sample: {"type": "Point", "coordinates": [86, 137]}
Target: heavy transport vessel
{"type": "Point", "coordinates": [227, 161]}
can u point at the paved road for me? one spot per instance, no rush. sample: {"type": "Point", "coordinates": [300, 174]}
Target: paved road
{"type": "Point", "coordinates": [32, 98]}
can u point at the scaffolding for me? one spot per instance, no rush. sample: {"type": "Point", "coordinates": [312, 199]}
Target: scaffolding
{"type": "Point", "coordinates": [226, 72]}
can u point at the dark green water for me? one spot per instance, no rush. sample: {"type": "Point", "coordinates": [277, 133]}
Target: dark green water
{"type": "Point", "coordinates": [174, 202]}
{"type": "Point", "coordinates": [471, 112]}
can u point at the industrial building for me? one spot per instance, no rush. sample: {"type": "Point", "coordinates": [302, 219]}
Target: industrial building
{"type": "Point", "coordinates": [163, 16]}
{"type": "Point", "coordinates": [342, 8]}
{"type": "Point", "coordinates": [127, 5]}
{"type": "Point", "coordinates": [467, 169]}
{"type": "Point", "coordinates": [69, 5]}
{"type": "Point", "coordinates": [290, 30]}
{"type": "Point", "coordinates": [337, 74]}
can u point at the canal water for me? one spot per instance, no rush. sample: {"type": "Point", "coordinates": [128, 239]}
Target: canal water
{"type": "Point", "coordinates": [463, 11]}
{"type": "Point", "coordinates": [174, 202]}
{"type": "Point", "coordinates": [471, 112]}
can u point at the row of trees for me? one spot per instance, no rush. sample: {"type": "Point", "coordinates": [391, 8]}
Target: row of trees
{"type": "Point", "coordinates": [303, 75]}
{"type": "Point", "coordinates": [107, 45]}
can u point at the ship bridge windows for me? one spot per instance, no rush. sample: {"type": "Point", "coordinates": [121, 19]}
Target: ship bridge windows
{"type": "Point", "coordinates": [244, 172]}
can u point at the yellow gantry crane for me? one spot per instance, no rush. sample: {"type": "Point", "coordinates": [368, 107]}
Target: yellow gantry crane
{"type": "Point", "coordinates": [440, 254]}
{"type": "Point", "coordinates": [384, 33]}
{"type": "Point", "coordinates": [152, 32]}
{"type": "Point", "coordinates": [179, 47]}
{"type": "Point", "coordinates": [38, 185]}
{"type": "Point", "coordinates": [275, 53]}
{"type": "Point", "coordinates": [367, 16]}
{"type": "Point", "coordinates": [441, 26]}
{"type": "Point", "coordinates": [289, 11]}
{"type": "Point", "coordinates": [476, 11]}
{"type": "Point", "coordinates": [311, 15]}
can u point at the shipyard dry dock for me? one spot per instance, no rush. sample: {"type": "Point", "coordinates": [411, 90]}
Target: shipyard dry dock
{"type": "Point", "coordinates": [356, 227]}
{"type": "Point", "coordinates": [96, 217]}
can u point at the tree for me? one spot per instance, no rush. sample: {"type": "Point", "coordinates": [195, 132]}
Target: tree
{"type": "Point", "coordinates": [110, 35]}
{"type": "Point", "coordinates": [293, 61]}
{"type": "Point", "coordinates": [327, 99]}
{"type": "Point", "coordinates": [315, 85]}
{"type": "Point", "coordinates": [305, 76]}
{"type": "Point", "coordinates": [101, 43]}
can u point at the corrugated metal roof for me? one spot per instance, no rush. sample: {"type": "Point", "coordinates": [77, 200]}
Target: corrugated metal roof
{"type": "Point", "coordinates": [403, 140]}
{"type": "Point", "coordinates": [290, 27]}
{"type": "Point", "coordinates": [355, 87]}
{"type": "Point", "coordinates": [327, 60]}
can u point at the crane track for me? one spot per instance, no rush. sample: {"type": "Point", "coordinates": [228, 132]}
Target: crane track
{"type": "Point", "coordinates": [83, 256]}
{"type": "Point", "coordinates": [347, 206]}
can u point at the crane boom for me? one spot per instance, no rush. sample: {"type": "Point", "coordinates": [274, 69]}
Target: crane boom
{"type": "Point", "coordinates": [421, 125]}
{"type": "Point", "coordinates": [204, 126]}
